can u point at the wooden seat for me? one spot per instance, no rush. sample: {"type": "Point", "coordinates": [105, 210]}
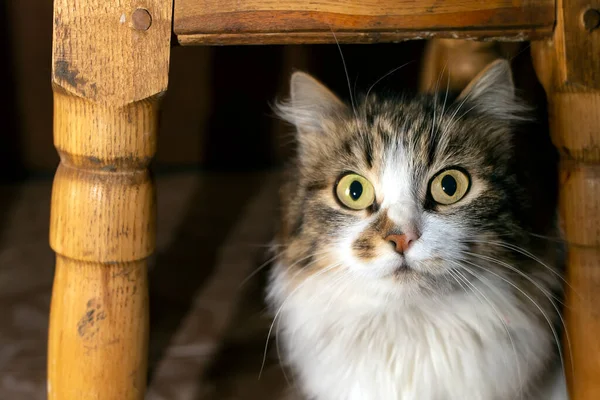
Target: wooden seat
{"type": "Point", "coordinates": [299, 21]}
{"type": "Point", "coordinates": [110, 70]}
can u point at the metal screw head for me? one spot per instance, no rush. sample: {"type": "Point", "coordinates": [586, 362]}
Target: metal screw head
{"type": "Point", "coordinates": [591, 19]}
{"type": "Point", "coordinates": [141, 19]}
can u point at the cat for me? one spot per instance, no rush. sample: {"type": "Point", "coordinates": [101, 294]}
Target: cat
{"type": "Point", "coordinates": [405, 264]}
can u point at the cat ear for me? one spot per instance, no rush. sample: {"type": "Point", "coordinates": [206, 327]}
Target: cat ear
{"type": "Point", "coordinates": [310, 104]}
{"type": "Point", "coordinates": [492, 91]}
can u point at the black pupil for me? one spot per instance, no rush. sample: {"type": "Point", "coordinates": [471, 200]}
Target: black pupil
{"type": "Point", "coordinates": [449, 185]}
{"type": "Point", "coordinates": [356, 190]}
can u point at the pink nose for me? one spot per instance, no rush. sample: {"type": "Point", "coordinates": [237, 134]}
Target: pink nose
{"type": "Point", "coordinates": [401, 242]}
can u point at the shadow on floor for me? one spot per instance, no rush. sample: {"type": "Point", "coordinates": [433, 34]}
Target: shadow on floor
{"type": "Point", "coordinates": [246, 367]}
{"type": "Point", "coordinates": [183, 269]}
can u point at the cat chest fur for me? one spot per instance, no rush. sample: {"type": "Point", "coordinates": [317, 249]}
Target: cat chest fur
{"type": "Point", "coordinates": [455, 349]}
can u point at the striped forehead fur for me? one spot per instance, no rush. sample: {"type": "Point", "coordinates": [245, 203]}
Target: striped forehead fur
{"type": "Point", "coordinates": [431, 134]}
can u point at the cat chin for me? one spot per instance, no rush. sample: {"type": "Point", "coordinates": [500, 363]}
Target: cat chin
{"type": "Point", "coordinates": [409, 288]}
{"type": "Point", "coordinates": [362, 289]}
{"type": "Point", "coordinates": [398, 280]}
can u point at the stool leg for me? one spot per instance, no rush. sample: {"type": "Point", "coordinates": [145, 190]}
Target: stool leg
{"type": "Point", "coordinates": [568, 66]}
{"type": "Point", "coordinates": [110, 67]}
{"type": "Point", "coordinates": [459, 61]}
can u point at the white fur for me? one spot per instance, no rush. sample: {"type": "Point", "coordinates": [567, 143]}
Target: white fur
{"type": "Point", "coordinates": [346, 342]}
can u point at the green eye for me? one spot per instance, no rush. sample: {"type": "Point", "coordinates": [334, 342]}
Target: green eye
{"type": "Point", "coordinates": [449, 186]}
{"type": "Point", "coordinates": [355, 192]}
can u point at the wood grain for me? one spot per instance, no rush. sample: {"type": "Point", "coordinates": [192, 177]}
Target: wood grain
{"type": "Point", "coordinates": [299, 21]}
{"type": "Point", "coordinates": [109, 72]}
{"type": "Point", "coordinates": [568, 67]}
{"type": "Point", "coordinates": [359, 37]}
{"type": "Point", "coordinates": [100, 350]}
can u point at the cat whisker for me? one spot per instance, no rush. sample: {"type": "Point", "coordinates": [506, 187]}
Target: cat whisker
{"type": "Point", "coordinates": [337, 289]}
{"type": "Point", "coordinates": [462, 116]}
{"type": "Point", "coordinates": [318, 253]}
{"type": "Point", "coordinates": [549, 238]}
{"type": "Point", "coordinates": [262, 245]}
{"type": "Point", "coordinates": [460, 105]}
{"type": "Point", "coordinates": [496, 312]}
{"type": "Point", "coordinates": [526, 253]}
{"type": "Point", "coordinates": [435, 92]}
{"type": "Point", "coordinates": [352, 97]}
{"type": "Point", "coordinates": [544, 314]}
{"type": "Point", "coordinates": [549, 296]}
{"type": "Point", "coordinates": [259, 268]}
{"type": "Point", "coordinates": [290, 140]}
{"type": "Point", "coordinates": [496, 261]}
{"type": "Point", "coordinates": [324, 270]}
{"type": "Point", "coordinates": [453, 120]}
{"type": "Point", "coordinates": [279, 356]}
{"type": "Point", "coordinates": [266, 263]}
{"type": "Point", "coordinates": [447, 90]}
{"type": "Point", "coordinates": [437, 82]}
{"type": "Point", "coordinates": [382, 78]}
{"type": "Point", "coordinates": [283, 305]}
{"type": "Point", "coordinates": [354, 86]}
{"type": "Point", "coordinates": [525, 48]}
{"type": "Point", "coordinates": [346, 72]}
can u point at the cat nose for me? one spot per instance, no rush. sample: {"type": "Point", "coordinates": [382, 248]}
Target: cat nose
{"type": "Point", "coordinates": [401, 242]}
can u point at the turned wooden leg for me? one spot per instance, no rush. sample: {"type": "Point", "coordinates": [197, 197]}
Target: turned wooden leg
{"type": "Point", "coordinates": [110, 64]}
{"type": "Point", "coordinates": [459, 61]}
{"type": "Point", "coordinates": [568, 67]}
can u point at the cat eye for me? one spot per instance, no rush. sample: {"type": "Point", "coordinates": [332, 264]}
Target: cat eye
{"type": "Point", "coordinates": [355, 192]}
{"type": "Point", "coordinates": [449, 186]}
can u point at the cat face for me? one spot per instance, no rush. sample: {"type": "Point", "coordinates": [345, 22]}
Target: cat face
{"type": "Point", "coordinates": [400, 193]}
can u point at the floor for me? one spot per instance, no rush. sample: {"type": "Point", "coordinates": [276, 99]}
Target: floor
{"type": "Point", "coordinates": [208, 327]}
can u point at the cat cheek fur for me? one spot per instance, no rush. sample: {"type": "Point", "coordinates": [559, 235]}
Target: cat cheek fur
{"type": "Point", "coordinates": [442, 238]}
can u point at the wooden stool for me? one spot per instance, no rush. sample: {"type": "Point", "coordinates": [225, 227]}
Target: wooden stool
{"type": "Point", "coordinates": [110, 68]}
